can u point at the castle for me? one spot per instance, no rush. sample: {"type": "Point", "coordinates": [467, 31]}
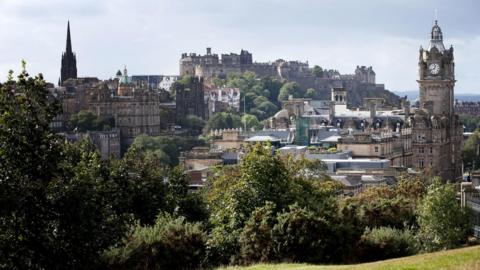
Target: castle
{"type": "Point", "coordinates": [361, 84]}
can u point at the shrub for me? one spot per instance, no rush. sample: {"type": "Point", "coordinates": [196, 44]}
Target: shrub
{"type": "Point", "coordinates": [300, 235]}
{"type": "Point", "coordinates": [443, 223]}
{"type": "Point", "coordinates": [171, 243]}
{"type": "Point", "coordinates": [256, 239]}
{"type": "Point", "coordinates": [384, 243]}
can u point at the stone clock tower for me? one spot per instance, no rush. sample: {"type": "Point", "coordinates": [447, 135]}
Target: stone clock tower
{"type": "Point", "coordinates": [436, 131]}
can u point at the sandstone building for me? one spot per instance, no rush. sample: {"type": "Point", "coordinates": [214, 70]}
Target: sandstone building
{"type": "Point", "coordinates": [436, 130]}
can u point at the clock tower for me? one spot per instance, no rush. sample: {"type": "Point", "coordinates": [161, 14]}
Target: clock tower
{"type": "Point", "coordinates": [436, 131]}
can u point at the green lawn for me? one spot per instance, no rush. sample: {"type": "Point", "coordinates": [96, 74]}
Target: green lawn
{"type": "Point", "coordinates": [458, 259]}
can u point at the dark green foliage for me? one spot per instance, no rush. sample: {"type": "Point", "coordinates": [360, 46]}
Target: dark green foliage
{"type": "Point", "coordinates": [251, 122]}
{"type": "Point", "coordinates": [195, 124]}
{"type": "Point", "coordinates": [260, 94]}
{"type": "Point", "coordinates": [171, 243]}
{"type": "Point", "coordinates": [58, 203]}
{"type": "Point", "coordinates": [382, 207]}
{"type": "Point", "coordinates": [470, 122]}
{"type": "Point", "coordinates": [256, 239]}
{"type": "Point", "coordinates": [290, 89]}
{"type": "Point", "coordinates": [143, 185]}
{"type": "Point", "coordinates": [88, 121]}
{"type": "Point", "coordinates": [303, 236]}
{"type": "Point", "coordinates": [165, 149]}
{"type": "Point", "coordinates": [384, 243]}
{"type": "Point", "coordinates": [317, 71]}
{"type": "Point", "coordinates": [224, 120]}
{"type": "Point", "coordinates": [262, 176]}
{"type": "Point", "coordinates": [471, 151]}
{"type": "Point", "coordinates": [182, 202]}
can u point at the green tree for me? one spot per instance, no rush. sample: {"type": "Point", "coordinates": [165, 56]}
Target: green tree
{"type": "Point", "coordinates": [251, 121]}
{"type": "Point", "coordinates": [443, 223]}
{"type": "Point", "coordinates": [236, 191]}
{"type": "Point", "coordinates": [223, 120]}
{"type": "Point", "coordinates": [182, 202]}
{"type": "Point", "coordinates": [311, 93]}
{"type": "Point", "coordinates": [470, 151]}
{"type": "Point", "coordinates": [317, 71]}
{"type": "Point", "coordinates": [88, 121]}
{"type": "Point", "coordinates": [59, 205]}
{"type": "Point", "coordinates": [194, 123]}
{"type": "Point", "coordinates": [165, 149]}
{"type": "Point", "coordinates": [290, 89]}
{"type": "Point", "coordinates": [470, 122]}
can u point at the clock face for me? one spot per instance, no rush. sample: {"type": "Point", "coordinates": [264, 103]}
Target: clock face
{"type": "Point", "coordinates": [434, 68]}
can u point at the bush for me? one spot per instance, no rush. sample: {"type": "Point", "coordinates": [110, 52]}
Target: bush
{"type": "Point", "coordinates": [443, 223]}
{"type": "Point", "coordinates": [172, 243]}
{"type": "Point", "coordinates": [384, 243]}
{"type": "Point", "coordinates": [302, 236]}
{"type": "Point", "coordinates": [256, 239]}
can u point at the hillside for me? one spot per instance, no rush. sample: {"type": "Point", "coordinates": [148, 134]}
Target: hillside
{"type": "Point", "coordinates": [462, 258]}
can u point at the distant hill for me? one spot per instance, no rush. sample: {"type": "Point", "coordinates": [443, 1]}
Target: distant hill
{"type": "Point", "coordinates": [413, 95]}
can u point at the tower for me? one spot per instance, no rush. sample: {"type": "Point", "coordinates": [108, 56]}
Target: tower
{"type": "Point", "coordinates": [436, 131]}
{"type": "Point", "coordinates": [69, 60]}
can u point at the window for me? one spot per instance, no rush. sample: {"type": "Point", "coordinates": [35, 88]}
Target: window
{"type": "Point", "coordinates": [376, 149]}
{"type": "Point", "coordinates": [420, 163]}
{"type": "Point", "coordinates": [421, 150]}
{"type": "Point", "coordinates": [431, 150]}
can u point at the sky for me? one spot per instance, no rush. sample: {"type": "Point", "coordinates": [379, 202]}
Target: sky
{"type": "Point", "coordinates": [149, 36]}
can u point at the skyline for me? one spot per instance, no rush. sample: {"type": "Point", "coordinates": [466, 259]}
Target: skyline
{"type": "Point", "coordinates": [150, 36]}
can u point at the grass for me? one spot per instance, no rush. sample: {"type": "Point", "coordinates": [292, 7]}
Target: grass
{"type": "Point", "coordinates": [456, 259]}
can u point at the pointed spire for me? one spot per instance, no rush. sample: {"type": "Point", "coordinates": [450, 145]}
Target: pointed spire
{"type": "Point", "coordinates": [69, 60]}
{"type": "Point", "coordinates": [69, 40]}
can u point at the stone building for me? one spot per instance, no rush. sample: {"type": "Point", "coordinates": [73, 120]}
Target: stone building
{"type": "Point", "coordinates": [189, 98]}
{"type": "Point", "coordinates": [135, 111]}
{"type": "Point", "coordinates": [69, 61]}
{"type": "Point", "coordinates": [467, 107]}
{"type": "Point", "coordinates": [222, 99]}
{"type": "Point", "coordinates": [436, 130]}
{"type": "Point", "coordinates": [394, 146]}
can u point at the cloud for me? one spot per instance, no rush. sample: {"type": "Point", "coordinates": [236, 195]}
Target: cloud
{"type": "Point", "coordinates": [149, 35]}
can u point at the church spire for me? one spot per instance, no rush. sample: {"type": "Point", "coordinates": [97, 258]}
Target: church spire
{"type": "Point", "coordinates": [69, 60]}
{"type": "Point", "coordinates": [69, 40]}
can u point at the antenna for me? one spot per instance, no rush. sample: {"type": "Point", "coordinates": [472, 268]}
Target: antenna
{"type": "Point", "coordinates": [436, 14]}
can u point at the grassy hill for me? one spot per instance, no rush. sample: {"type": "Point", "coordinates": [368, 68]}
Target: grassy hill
{"type": "Point", "coordinates": [458, 259]}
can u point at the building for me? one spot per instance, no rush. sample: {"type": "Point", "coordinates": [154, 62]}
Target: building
{"type": "Point", "coordinates": [222, 99]}
{"type": "Point", "coordinates": [189, 99]}
{"type": "Point", "coordinates": [360, 84]}
{"type": "Point", "coordinates": [135, 111]}
{"type": "Point", "coordinates": [69, 61]}
{"type": "Point", "coordinates": [467, 107]}
{"type": "Point", "coordinates": [436, 130]}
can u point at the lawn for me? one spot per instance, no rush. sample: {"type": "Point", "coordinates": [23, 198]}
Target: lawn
{"type": "Point", "coordinates": [456, 259]}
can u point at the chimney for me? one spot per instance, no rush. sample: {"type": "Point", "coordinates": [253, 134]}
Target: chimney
{"type": "Point", "coordinates": [209, 51]}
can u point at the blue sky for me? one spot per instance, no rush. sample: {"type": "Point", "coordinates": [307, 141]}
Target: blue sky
{"type": "Point", "coordinates": [149, 35]}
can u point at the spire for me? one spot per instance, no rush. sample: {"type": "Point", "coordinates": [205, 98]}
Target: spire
{"type": "Point", "coordinates": [436, 38]}
{"type": "Point", "coordinates": [69, 40]}
{"type": "Point", "coordinates": [69, 60]}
